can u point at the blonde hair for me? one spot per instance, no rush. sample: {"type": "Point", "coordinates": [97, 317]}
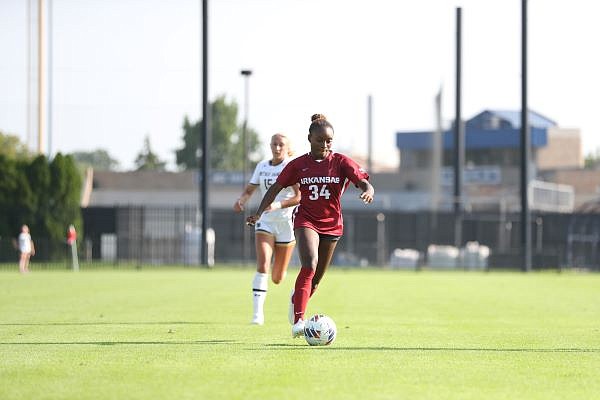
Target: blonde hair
{"type": "Point", "coordinates": [288, 141]}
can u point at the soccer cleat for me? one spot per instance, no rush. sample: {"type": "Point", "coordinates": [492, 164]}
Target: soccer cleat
{"type": "Point", "coordinates": [258, 320]}
{"type": "Point", "coordinates": [298, 329]}
{"type": "Point", "coordinates": [291, 309]}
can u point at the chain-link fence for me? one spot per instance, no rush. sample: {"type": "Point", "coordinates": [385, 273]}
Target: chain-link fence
{"type": "Point", "coordinates": [145, 236]}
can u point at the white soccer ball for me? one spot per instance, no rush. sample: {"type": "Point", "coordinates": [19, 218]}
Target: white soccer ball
{"type": "Point", "coordinates": [320, 330]}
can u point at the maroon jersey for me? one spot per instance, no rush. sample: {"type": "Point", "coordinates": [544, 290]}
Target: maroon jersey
{"type": "Point", "coordinates": [322, 184]}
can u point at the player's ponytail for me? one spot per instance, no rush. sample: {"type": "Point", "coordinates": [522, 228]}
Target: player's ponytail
{"type": "Point", "coordinates": [317, 117]}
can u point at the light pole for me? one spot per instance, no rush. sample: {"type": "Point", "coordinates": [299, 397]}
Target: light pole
{"type": "Point", "coordinates": [246, 73]}
{"type": "Point", "coordinates": [459, 138]}
{"type": "Point", "coordinates": [525, 149]}
{"type": "Point", "coordinates": [205, 139]}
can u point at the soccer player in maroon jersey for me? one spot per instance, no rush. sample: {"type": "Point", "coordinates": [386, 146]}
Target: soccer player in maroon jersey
{"type": "Point", "coordinates": [323, 177]}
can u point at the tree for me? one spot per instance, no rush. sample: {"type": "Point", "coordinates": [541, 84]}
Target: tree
{"type": "Point", "coordinates": [227, 149]}
{"type": "Point", "coordinates": [592, 160]}
{"type": "Point", "coordinates": [147, 160]}
{"type": "Point", "coordinates": [44, 195]}
{"type": "Point", "coordinates": [63, 198]}
{"type": "Point", "coordinates": [98, 159]}
{"type": "Point", "coordinates": [187, 156]}
{"type": "Point", "coordinates": [12, 147]}
{"type": "Point", "coordinates": [15, 197]}
{"type": "Point", "coordinates": [38, 177]}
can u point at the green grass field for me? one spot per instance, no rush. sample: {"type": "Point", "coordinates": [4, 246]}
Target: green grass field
{"type": "Point", "coordinates": [185, 334]}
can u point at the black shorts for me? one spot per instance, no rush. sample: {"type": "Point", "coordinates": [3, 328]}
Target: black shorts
{"type": "Point", "coordinates": [331, 238]}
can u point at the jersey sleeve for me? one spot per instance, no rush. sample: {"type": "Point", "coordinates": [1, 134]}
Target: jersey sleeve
{"type": "Point", "coordinates": [353, 171]}
{"type": "Point", "coordinates": [288, 175]}
{"type": "Point", "coordinates": [255, 179]}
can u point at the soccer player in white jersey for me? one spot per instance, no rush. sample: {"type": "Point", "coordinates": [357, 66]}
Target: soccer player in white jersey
{"type": "Point", "coordinates": [274, 233]}
{"type": "Point", "coordinates": [26, 249]}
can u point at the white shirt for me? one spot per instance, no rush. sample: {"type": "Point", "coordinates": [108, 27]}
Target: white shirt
{"type": "Point", "coordinates": [265, 176]}
{"type": "Point", "coordinates": [25, 242]}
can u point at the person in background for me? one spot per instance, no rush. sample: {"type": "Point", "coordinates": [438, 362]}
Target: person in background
{"type": "Point", "coordinates": [274, 236]}
{"type": "Point", "coordinates": [26, 249]}
{"type": "Point", "coordinates": [323, 176]}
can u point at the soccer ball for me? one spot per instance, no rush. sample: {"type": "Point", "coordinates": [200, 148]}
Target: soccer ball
{"type": "Point", "coordinates": [320, 330]}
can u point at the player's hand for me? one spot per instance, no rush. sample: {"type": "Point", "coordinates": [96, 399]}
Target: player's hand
{"type": "Point", "coordinates": [367, 197]}
{"type": "Point", "coordinates": [238, 206]}
{"type": "Point", "coordinates": [251, 220]}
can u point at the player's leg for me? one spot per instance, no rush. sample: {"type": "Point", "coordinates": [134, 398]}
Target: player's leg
{"type": "Point", "coordinates": [264, 243]}
{"type": "Point", "coordinates": [308, 251]}
{"type": "Point", "coordinates": [326, 248]}
{"type": "Point", "coordinates": [281, 259]}
{"type": "Point", "coordinates": [285, 241]}
{"type": "Point", "coordinates": [24, 262]}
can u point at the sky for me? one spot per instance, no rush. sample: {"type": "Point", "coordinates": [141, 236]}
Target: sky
{"type": "Point", "coordinates": [122, 70]}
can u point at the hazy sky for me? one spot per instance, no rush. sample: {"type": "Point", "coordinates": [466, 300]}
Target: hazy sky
{"type": "Point", "coordinates": [124, 69]}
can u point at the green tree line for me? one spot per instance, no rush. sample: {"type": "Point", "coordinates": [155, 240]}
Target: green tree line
{"type": "Point", "coordinates": [226, 145]}
{"type": "Point", "coordinates": [43, 194]}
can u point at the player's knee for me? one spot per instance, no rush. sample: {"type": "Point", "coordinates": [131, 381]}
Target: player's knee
{"type": "Point", "coordinates": [276, 279]}
{"type": "Point", "coordinates": [312, 263]}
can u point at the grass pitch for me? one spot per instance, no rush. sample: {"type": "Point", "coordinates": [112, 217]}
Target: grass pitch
{"type": "Point", "coordinates": [185, 334]}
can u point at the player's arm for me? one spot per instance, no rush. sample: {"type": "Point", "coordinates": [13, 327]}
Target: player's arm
{"type": "Point", "coordinates": [238, 206]}
{"type": "Point", "coordinates": [367, 191]}
{"type": "Point", "coordinates": [291, 202]}
{"type": "Point", "coordinates": [294, 201]}
{"type": "Point", "coordinates": [360, 178]}
{"type": "Point", "coordinates": [265, 202]}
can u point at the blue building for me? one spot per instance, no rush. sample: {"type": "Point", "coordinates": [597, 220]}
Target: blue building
{"type": "Point", "coordinates": [492, 160]}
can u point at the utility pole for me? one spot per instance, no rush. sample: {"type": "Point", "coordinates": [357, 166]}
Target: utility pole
{"type": "Point", "coordinates": [246, 73]}
{"type": "Point", "coordinates": [205, 140]}
{"type": "Point", "coordinates": [525, 149]}
{"type": "Point", "coordinates": [41, 75]}
{"type": "Point", "coordinates": [459, 138]}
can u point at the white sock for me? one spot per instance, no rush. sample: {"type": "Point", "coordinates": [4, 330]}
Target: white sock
{"type": "Point", "coordinates": [259, 291]}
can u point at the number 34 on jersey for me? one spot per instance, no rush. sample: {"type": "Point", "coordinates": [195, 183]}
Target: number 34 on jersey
{"type": "Point", "coordinates": [317, 191]}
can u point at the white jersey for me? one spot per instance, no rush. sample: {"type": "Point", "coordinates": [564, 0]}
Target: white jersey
{"type": "Point", "coordinates": [25, 242]}
{"type": "Point", "coordinates": [264, 176]}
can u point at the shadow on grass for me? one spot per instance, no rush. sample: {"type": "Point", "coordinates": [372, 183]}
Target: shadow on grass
{"type": "Point", "coordinates": [287, 347]}
{"type": "Point", "coordinates": [424, 349]}
{"type": "Point", "coordinates": [116, 343]}
{"type": "Point", "coordinates": [105, 323]}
